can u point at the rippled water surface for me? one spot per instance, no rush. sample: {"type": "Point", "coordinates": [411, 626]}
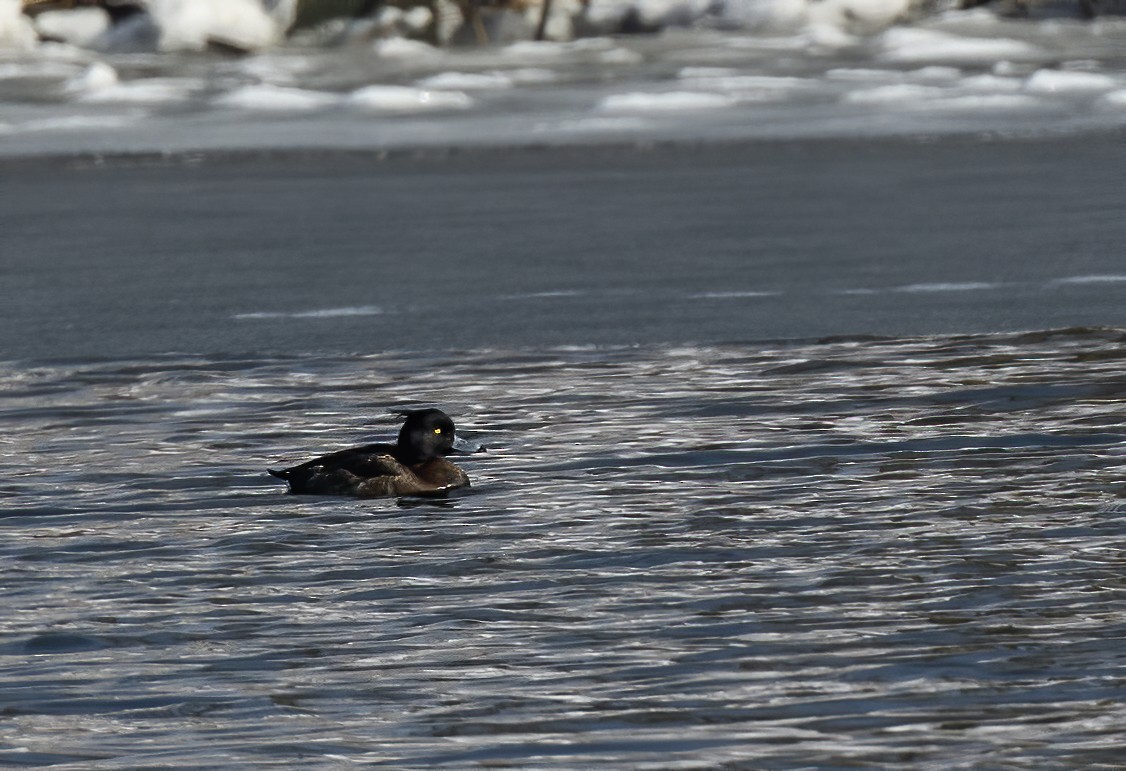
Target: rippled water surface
{"type": "Point", "coordinates": [887, 551]}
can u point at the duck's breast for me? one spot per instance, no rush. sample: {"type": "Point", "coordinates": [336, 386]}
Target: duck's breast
{"type": "Point", "coordinates": [440, 474]}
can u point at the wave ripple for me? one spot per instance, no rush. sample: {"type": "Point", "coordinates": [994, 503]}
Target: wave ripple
{"type": "Point", "coordinates": [848, 552]}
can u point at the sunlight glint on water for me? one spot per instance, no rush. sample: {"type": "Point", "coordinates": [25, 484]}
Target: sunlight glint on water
{"type": "Point", "coordinates": [872, 551]}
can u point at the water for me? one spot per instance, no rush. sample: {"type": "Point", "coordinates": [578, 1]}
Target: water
{"type": "Point", "coordinates": [892, 551]}
{"type": "Point", "coordinates": [778, 475]}
{"type": "Point", "coordinates": [339, 253]}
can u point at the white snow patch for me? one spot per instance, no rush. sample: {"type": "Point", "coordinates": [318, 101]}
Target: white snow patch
{"type": "Point", "coordinates": [975, 102]}
{"type": "Point", "coordinates": [898, 94]}
{"type": "Point", "coordinates": [1115, 98]}
{"type": "Point", "coordinates": [189, 25]}
{"type": "Point", "coordinates": [266, 98]}
{"type": "Point", "coordinates": [1056, 81]}
{"type": "Point", "coordinates": [990, 83]}
{"type": "Point", "coordinates": [467, 81]}
{"type": "Point", "coordinates": [16, 30]}
{"type": "Point", "coordinates": [906, 45]}
{"type": "Point", "coordinates": [821, 22]}
{"type": "Point", "coordinates": [416, 19]}
{"type": "Point", "coordinates": [982, 95]}
{"type": "Point", "coordinates": [406, 99]}
{"type": "Point", "coordinates": [96, 77]}
{"type": "Point", "coordinates": [668, 101]}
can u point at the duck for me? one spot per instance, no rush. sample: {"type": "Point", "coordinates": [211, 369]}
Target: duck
{"type": "Point", "coordinates": [414, 465]}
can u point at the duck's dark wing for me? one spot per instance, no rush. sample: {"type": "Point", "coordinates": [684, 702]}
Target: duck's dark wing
{"type": "Point", "coordinates": [339, 473]}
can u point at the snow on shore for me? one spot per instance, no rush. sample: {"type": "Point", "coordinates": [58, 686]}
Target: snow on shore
{"type": "Point", "coordinates": [774, 68]}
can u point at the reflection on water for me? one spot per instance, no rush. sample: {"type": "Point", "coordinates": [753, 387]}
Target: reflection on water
{"type": "Point", "coordinates": [855, 551]}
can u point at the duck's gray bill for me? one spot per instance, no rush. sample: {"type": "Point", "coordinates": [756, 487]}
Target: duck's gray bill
{"type": "Point", "coordinates": [466, 447]}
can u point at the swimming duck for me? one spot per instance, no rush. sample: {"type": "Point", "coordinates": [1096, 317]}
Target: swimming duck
{"type": "Point", "coordinates": [414, 465]}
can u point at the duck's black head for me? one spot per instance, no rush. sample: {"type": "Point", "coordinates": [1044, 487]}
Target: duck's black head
{"type": "Point", "coordinates": [427, 434]}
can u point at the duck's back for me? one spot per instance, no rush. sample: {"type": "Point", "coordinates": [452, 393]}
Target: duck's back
{"type": "Point", "coordinates": [371, 471]}
{"type": "Point", "coordinates": [343, 472]}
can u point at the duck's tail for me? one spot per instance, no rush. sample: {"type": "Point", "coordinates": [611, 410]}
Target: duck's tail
{"type": "Point", "coordinates": [279, 474]}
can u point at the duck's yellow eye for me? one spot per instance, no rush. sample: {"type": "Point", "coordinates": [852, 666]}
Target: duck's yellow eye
{"type": "Point", "coordinates": [437, 431]}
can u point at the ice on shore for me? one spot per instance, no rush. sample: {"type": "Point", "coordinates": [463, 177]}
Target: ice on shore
{"type": "Point", "coordinates": [665, 101]}
{"type": "Point", "coordinates": [406, 99]}
{"type": "Point", "coordinates": [1055, 81]}
{"type": "Point", "coordinates": [895, 94]}
{"type": "Point", "coordinates": [97, 77]}
{"type": "Point", "coordinates": [151, 91]}
{"type": "Point", "coordinates": [911, 45]}
{"type": "Point", "coordinates": [960, 73]}
{"type": "Point", "coordinates": [265, 97]}
{"type": "Point", "coordinates": [917, 97]}
{"type": "Point", "coordinates": [467, 81]}
{"type": "Point", "coordinates": [99, 83]}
